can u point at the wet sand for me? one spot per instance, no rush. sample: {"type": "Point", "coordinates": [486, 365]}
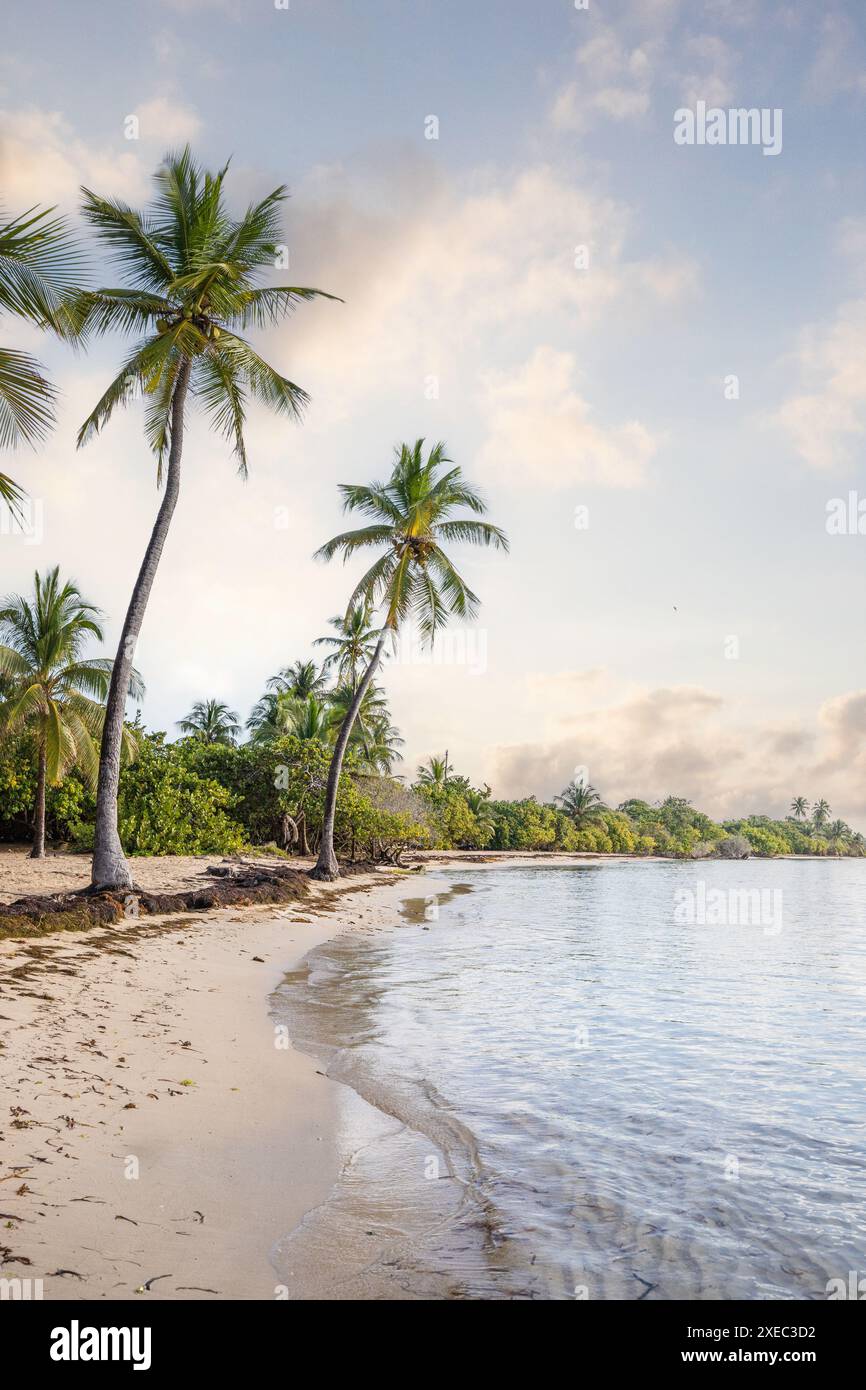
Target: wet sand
{"type": "Point", "coordinates": [159, 1132]}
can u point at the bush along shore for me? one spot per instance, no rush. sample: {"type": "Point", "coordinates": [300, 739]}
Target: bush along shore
{"type": "Point", "coordinates": [200, 797]}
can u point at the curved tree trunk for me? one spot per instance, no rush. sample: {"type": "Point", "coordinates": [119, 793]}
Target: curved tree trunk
{"type": "Point", "coordinates": [38, 850]}
{"type": "Point", "coordinates": [327, 867]}
{"type": "Point", "coordinates": [110, 869]}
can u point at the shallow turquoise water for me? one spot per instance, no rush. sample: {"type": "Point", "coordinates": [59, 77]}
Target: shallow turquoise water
{"type": "Point", "coordinates": [630, 1103]}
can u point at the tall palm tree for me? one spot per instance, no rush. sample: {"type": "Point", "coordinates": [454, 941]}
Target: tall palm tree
{"type": "Point", "coordinates": [353, 643]}
{"type": "Point", "coordinates": [581, 802]}
{"type": "Point", "coordinates": [820, 813]}
{"type": "Point", "coordinates": [434, 773]}
{"type": "Point", "coordinates": [211, 721]}
{"type": "Point", "coordinates": [411, 519]}
{"type": "Point", "coordinates": [40, 264]}
{"type": "Point", "coordinates": [301, 680]}
{"type": "Point", "coordinates": [51, 689]}
{"type": "Point", "coordinates": [190, 272]}
{"type": "Point", "coordinates": [799, 807]}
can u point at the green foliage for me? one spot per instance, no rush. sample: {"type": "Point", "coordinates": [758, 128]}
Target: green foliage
{"type": "Point", "coordinates": [165, 806]}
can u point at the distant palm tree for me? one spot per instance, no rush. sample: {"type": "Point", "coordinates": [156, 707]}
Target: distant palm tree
{"type": "Point", "coordinates": [381, 749]}
{"type": "Point", "coordinates": [479, 804]}
{"type": "Point", "coordinates": [50, 688]}
{"type": "Point", "coordinates": [839, 835]}
{"type": "Point", "coordinates": [820, 813]}
{"type": "Point", "coordinates": [40, 265]}
{"type": "Point", "coordinates": [800, 807]}
{"type": "Point", "coordinates": [271, 717]}
{"type": "Point", "coordinates": [190, 270]}
{"type": "Point", "coordinates": [301, 680]}
{"type": "Point", "coordinates": [433, 773]}
{"type": "Point", "coordinates": [310, 719]}
{"type": "Point", "coordinates": [581, 802]}
{"type": "Point", "coordinates": [211, 721]}
{"type": "Point", "coordinates": [353, 644]}
{"type": "Point", "coordinates": [412, 517]}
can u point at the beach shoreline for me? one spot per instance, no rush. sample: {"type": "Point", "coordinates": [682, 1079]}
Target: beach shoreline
{"type": "Point", "coordinates": [160, 1133]}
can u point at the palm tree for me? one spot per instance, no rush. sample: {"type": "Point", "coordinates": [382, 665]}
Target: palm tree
{"type": "Point", "coordinates": [300, 681]}
{"type": "Point", "coordinates": [412, 517]}
{"type": "Point", "coordinates": [581, 802]}
{"type": "Point", "coordinates": [310, 719]}
{"type": "Point", "coordinates": [382, 745]}
{"type": "Point", "coordinates": [51, 688]}
{"type": "Point", "coordinates": [211, 721]}
{"type": "Point", "coordinates": [39, 266]}
{"type": "Point", "coordinates": [354, 643]}
{"type": "Point", "coordinates": [820, 813]}
{"type": "Point", "coordinates": [479, 804]}
{"type": "Point", "coordinates": [839, 835]}
{"type": "Point", "coordinates": [190, 272]}
{"type": "Point", "coordinates": [434, 773]}
{"type": "Point", "coordinates": [800, 807]}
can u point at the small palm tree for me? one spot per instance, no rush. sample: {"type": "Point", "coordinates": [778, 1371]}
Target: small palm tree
{"type": "Point", "coordinates": [581, 802]}
{"type": "Point", "coordinates": [411, 520]}
{"type": "Point", "coordinates": [50, 688]}
{"type": "Point", "coordinates": [310, 719]}
{"type": "Point", "coordinates": [820, 813]}
{"type": "Point", "coordinates": [839, 835]}
{"type": "Point", "coordinates": [479, 804]}
{"type": "Point", "coordinates": [353, 644]}
{"type": "Point", "coordinates": [800, 807]}
{"type": "Point", "coordinates": [300, 681]}
{"type": "Point", "coordinates": [40, 265]}
{"type": "Point", "coordinates": [271, 717]}
{"type": "Point", "coordinates": [434, 773]}
{"type": "Point", "coordinates": [372, 720]}
{"type": "Point", "coordinates": [211, 721]}
{"type": "Point", "coordinates": [382, 746]}
{"type": "Point", "coordinates": [190, 271]}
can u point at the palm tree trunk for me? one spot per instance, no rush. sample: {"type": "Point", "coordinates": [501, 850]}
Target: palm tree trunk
{"type": "Point", "coordinates": [38, 850]}
{"type": "Point", "coordinates": [327, 867]}
{"type": "Point", "coordinates": [110, 869]}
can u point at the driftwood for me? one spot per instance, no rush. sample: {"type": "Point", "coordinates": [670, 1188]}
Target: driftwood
{"type": "Point", "coordinates": [241, 885]}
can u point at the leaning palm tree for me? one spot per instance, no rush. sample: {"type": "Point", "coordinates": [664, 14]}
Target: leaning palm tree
{"type": "Point", "coordinates": [190, 270]}
{"type": "Point", "coordinates": [51, 690]}
{"type": "Point", "coordinates": [581, 802]}
{"type": "Point", "coordinates": [411, 519]}
{"type": "Point", "coordinates": [211, 721]}
{"type": "Point", "coordinates": [40, 266]}
{"type": "Point", "coordinates": [301, 680]}
{"type": "Point", "coordinates": [353, 644]}
{"type": "Point", "coordinates": [799, 807]}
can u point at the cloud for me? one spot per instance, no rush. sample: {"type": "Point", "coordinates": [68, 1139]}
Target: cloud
{"type": "Point", "coordinates": [613, 80]}
{"type": "Point", "coordinates": [441, 275]}
{"type": "Point", "coordinates": [540, 430]}
{"type": "Point", "coordinates": [165, 121]}
{"type": "Point", "coordinates": [43, 160]}
{"type": "Point", "coordinates": [827, 417]}
{"type": "Point", "coordinates": [839, 66]}
{"type": "Point", "coordinates": [688, 741]}
{"type": "Point", "coordinates": [709, 64]}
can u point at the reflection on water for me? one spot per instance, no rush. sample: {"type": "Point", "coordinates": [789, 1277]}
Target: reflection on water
{"type": "Point", "coordinates": [581, 1093]}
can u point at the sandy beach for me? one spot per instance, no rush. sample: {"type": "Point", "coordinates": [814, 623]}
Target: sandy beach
{"type": "Point", "coordinates": [159, 1132]}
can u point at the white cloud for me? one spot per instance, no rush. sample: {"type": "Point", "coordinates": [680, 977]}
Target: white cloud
{"type": "Point", "coordinates": [166, 121]}
{"type": "Point", "coordinates": [827, 416]}
{"type": "Point", "coordinates": [540, 430]}
{"type": "Point", "coordinates": [688, 741]}
{"type": "Point", "coordinates": [613, 79]}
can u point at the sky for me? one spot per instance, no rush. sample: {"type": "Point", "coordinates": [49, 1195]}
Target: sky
{"type": "Point", "coordinates": [648, 354]}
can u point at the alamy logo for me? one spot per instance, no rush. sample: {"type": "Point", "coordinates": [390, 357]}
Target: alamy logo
{"type": "Point", "coordinates": [729, 907]}
{"type": "Point", "coordinates": [77, 1343]}
{"type": "Point", "coordinates": [854, 1287]}
{"type": "Point", "coordinates": [738, 126]}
